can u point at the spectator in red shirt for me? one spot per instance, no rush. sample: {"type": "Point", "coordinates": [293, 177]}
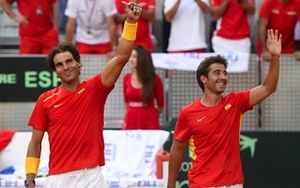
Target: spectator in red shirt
{"type": "Point", "coordinates": [233, 30]}
{"type": "Point", "coordinates": [38, 24]}
{"type": "Point", "coordinates": [281, 15]}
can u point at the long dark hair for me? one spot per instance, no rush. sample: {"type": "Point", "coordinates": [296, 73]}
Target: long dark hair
{"type": "Point", "coordinates": [145, 72]}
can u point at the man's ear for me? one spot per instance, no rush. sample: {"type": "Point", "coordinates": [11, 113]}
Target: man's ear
{"type": "Point", "coordinates": [203, 79]}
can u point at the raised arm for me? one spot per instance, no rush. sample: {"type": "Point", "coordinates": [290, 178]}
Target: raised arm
{"type": "Point", "coordinates": [113, 68]}
{"type": "Point", "coordinates": [147, 14]}
{"type": "Point", "coordinates": [269, 85]}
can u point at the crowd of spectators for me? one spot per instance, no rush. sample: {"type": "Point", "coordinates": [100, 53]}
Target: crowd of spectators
{"type": "Point", "coordinates": [184, 26]}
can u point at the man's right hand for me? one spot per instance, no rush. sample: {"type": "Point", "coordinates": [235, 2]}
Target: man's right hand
{"type": "Point", "coordinates": [274, 42]}
{"type": "Point", "coordinates": [133, 11]}
{"type": "Point", "coordinates": [21, 19]}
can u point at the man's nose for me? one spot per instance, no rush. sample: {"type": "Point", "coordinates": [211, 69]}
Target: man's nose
{"type": "Point", "coordinates": [223, 76]}
{"type": "Point", "coordinates": [65, 66]}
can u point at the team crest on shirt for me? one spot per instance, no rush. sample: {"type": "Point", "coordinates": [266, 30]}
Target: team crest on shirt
{"type": "Point", "coordinates": [227, 107]}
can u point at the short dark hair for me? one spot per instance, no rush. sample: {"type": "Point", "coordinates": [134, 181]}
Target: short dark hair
{"type": "Point", "coordinates": [62, 47]}
{"type": "Point", "coordinates": [204, 67]}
